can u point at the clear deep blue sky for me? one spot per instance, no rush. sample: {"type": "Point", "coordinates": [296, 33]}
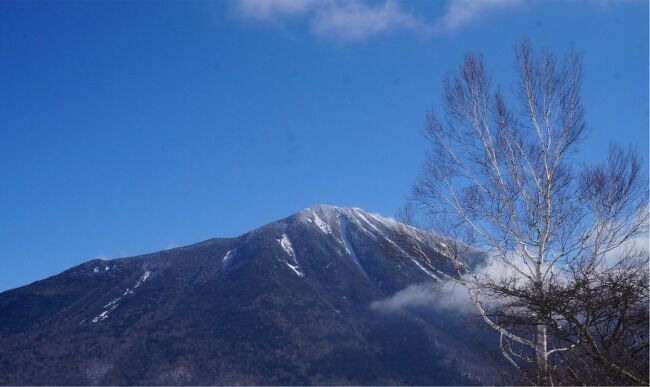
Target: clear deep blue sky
{"type": "Point", "coordinates": [129, 128]}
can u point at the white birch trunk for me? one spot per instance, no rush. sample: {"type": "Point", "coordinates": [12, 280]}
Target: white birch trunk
{"type": "Point", "coordinates": [541, 356]}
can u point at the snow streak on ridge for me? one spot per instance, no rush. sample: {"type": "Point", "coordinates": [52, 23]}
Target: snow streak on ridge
{"type": "Point", "coordinates": [322, 225]}
{"type": "Point", "coordinates": [377, 227]}
{"type": "Point", "coordinates": [113, 304]}
{"type": "Point", "coordinates": [288, 248]}
{"type": "Point", "coordinates": [343, 227]}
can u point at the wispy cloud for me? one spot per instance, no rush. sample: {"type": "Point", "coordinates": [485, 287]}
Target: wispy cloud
{"type": "Point", "coordinates": [273, 10]}
{"type": "Point", "coordinates": [359, 20]}
{"type": "Point", "coordinates": [449, 295]}
{"type": "Point", "coordinates": [443, 295]}
{"type": "Point", "coordinates": [413, 296]}
{"type": "Point", "coordinates": [460, 13]}
{"type": "Point", "coordinates": [344, 20]}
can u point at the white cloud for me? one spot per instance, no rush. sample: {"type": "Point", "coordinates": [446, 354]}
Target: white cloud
{"type": "Point", "coordinates": [449, 294]}
{"type": "Point", "coordinates": [443, 295]}
{"type": "Point", "coordinates": [461, 12]}
{"type": "Point", "coordinates": [345, 20]}
{"type": "Point", "coordinates": [633, 248]}
{"type": "Point", "coordinates": [357, 21]}
{"type": "Point", "coordinates": [271, 10]}
{"type": "Point", "coordinates": [412, 296]}
{"type": "Point", "coordinates": [452, 296]}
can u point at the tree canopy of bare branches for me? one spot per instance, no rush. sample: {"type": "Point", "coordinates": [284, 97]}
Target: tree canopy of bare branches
{"type": "Point", "coordinates": [571, 291]}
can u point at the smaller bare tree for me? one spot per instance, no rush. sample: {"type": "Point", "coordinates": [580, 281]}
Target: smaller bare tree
{"type": "Point", "coordinates": [502, 180]}
{"type": "Point", "coordinates": [603, 319]}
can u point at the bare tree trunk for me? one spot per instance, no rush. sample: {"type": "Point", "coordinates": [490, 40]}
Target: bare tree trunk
{"type": "Point", "coordinates": [541, 356]}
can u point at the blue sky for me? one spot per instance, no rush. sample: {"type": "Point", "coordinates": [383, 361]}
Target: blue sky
{"type": "Point", "coordinates": [129, 128]}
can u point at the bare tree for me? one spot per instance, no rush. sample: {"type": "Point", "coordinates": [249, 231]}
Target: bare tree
{"type": "Point", "coordinates": [603, 318]}
{"type": "Point", "coordinates": [501, 179]}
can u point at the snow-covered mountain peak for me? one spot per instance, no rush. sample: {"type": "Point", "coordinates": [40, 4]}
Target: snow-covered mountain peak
{"type": "Point", "coordinates": [328, 217]}
{"type": "Point", "coordinates": [329, 212]}
{"type": "Point", "coordinates": [323, 210]}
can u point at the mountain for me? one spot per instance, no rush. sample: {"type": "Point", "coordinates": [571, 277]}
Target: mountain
{"type": "Point", "coordinates": [288, 303]}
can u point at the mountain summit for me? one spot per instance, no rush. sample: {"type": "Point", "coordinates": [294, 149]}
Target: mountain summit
{"type": "Point", "coordinates": [287, 303]}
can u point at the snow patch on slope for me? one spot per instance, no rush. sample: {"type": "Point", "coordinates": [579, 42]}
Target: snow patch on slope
{"type": "Point", "coordinates": [295, 268]}
{"type": "Point", "coordinates": [96, 269]}
{"type": "Point", "coordinates": [142, 279]}
{"type": "Point", "coordinates": [398, 248]}
{"type": "Point", "coordinates": [359, 213]}
{"type": "Point", "coordinates": [103, 315]}
{"type": "Point", "coordinates": [424, 269]}
{"type": "Point", "coordinates": [321, 224]}
{"type": "Point", "coordinates": [288, 248]}
{"type": "Point", "coordinates": [227, 259]}
{"type": "Point", "coordinates": [286, 245]}
{"type": "Point", "coordinates": [343, 226]}
{"type": "Point", "coordinates": [114, 303]}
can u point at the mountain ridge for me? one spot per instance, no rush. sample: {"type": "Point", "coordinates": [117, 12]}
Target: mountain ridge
{"type": "Point", "coordinates": [286, 303]}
